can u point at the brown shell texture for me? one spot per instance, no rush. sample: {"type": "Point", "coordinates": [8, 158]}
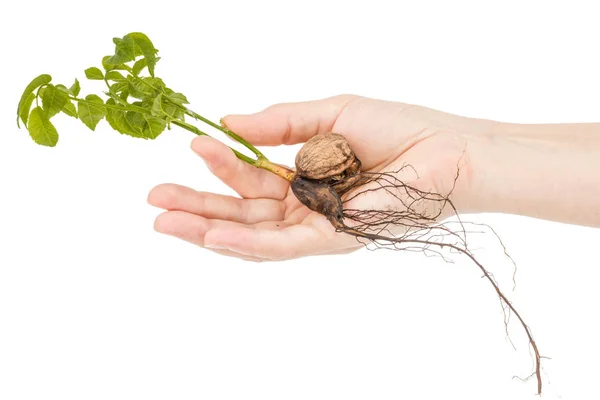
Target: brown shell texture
{"type": "Point", "coordinates": [323, 156]}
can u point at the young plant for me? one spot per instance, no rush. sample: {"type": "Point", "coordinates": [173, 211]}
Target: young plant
{"type": "Point", "coordinates": [136, 105]}
{"type": "Point", "coordinates": [327, 177]}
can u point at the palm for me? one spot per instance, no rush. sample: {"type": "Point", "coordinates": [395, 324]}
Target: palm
{"type": "Point", "coordinates": [269, 223]}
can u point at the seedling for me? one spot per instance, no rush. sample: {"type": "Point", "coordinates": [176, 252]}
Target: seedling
{"type": "Point", "coordinates": [327, 177]}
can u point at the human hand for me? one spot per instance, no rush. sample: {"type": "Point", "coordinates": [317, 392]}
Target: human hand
{"type": "Point", "coordinates": [268, 222]}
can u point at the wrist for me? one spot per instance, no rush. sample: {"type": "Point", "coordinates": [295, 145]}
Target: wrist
{"type": "Point", "coordinates": [541, 171]}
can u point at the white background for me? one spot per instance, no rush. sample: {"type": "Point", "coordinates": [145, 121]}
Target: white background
{"type": "Point", "coordinates": [96, 305]}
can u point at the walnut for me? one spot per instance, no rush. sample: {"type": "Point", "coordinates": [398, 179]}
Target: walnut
{"type": "Point", "coordinates": [323, 156]}
{"type": "Point", "coordinates": [328, 158]}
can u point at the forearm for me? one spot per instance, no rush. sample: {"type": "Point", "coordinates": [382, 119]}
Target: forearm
{"type": "Point", "coordinates": [543, 171]}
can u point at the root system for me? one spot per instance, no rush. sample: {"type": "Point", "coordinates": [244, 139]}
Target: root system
{"type": "Point", "coordinates": [328, 180]}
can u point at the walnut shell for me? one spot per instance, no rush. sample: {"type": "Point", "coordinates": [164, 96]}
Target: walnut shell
{"type": "Point", "coordinates": [324, 156]}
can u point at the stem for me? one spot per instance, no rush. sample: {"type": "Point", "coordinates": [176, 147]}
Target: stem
{"type": "Point", "coordinates": [279, 170]}
{"type": "Point", "coordinates": [130, 107]}
{"type": "Point", "coordinates": [198, 132]}
{"type": "Point", "coordinates": [261, 163]}
{"type": "Point", "coordinates": [226, 131]}
{"type": "Point", "coordinates": [195, 115]}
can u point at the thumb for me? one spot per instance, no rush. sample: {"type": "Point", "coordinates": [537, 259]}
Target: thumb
{"type": "Point", "coordinates": [288, 123]}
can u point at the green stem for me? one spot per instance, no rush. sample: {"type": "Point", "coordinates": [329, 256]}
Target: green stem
{"type": "Point", "coordinates": [198, 132]}
{"type": "Point", "coordinates": [130, 107]}
{"type": "Point", "coordinates": [195, 115]}
{"type": "Point", "coordinates": [226, 131]}
{"type": "Point", "coordinates": [262, 163]}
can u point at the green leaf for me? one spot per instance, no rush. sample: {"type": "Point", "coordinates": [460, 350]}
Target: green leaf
{"type": "Point", "coordinates": [41, 129]}
{"type": "Point", "coordinates": [75, 88]}
{"type": "Point", "coordinates": [70, 109]}
{"type": "Point", "coordinates": [63, 88]}
{"type": "Point", "coordinates": [94, 73]}
{"type": "Point", "coordinates": [139, 66]}
{"type": "Point", "coordinates": [154, 126]}
{"type": "Point", "coordinates": [53, 100]}
{"type": "Point", "coordinates": [132, 45]}
{"type": "Point", "coordinates": [178, 98]}
{"type": "Point", "coordinates": [118, 120]}
{"type": "Point", "coordinates": [114, 76]}
{"type": "Point", "coordinates": [119, 86]}
{"type": "Point", "coordinates": [174, 111]}
{"type": "Point", "coordinates": [136, 121]}
{"type": "Point", "coordinates": [161, 108]}
{"type": "Point", "coordinates": [109, 67]}
{"type": "Point", "coordinates": [25, 107]}
{"type": "Point", "coordinates": [124, 94]}
{"type": "Point", "coordinates": [157, 109]}
{"type": "Point", "coordinates": [34, 84]}
{"type": "Point", "coordinates": [124, 51]}
{"type": "Point", "coordinates": [147, 48]}
{"type": "Point", "coordinates": [92, 111]}
{"type": "Point", "coordinates": [144, 88]}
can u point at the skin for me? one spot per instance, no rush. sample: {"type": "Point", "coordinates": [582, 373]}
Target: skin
{"type": "Point", "coordinates": [542, 171]}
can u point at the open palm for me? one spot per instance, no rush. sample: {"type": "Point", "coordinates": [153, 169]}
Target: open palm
{"type": "Point", "coordinates": [268, 222]}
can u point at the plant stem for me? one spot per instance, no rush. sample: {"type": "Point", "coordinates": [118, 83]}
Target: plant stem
{"type": "Point", "coordinates": [198, 132]}
{"type": "Point", "coordinates": [261, 162]}
{"type": "Point", "coordinates": [130, 107]}
{"type": "Point", "coordinates": [197, 116]}
{"type": "Point", "coordinates": [279, 170]}
{"type": "Point", "coordinates": [226, 131]}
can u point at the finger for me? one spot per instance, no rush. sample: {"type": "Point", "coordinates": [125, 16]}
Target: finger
{"type": "Point", "coordinates": [288, 123]}
{"type": "Point", "coordinates": [233, 254]}
{"type": "Point", "coordinates": [190, 227]}
{"type": "Point", "coordinates": [245, 257]}
{"type": "Point", "coordinates": [215, 206]}
{"type": "Point", "coordinates": [291, 242]}
{"type": "Point", "coordinates": [248, 181]}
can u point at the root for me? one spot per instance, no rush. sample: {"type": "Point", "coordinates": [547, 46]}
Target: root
{"type": "Point", "coordinates": [413, 226]}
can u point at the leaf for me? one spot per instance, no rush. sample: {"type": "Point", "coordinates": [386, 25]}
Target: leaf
{"type": "Point", "coordinates": [75, 88]}
{"type": "Point", "coordinates": [178, 98]}
{"type": "Point", "coordinates": [119, 86]}
{"type": "Point", "coordinates": [161, 108]}
{"type": "Point", "coordinates": [109, 67]}
{"type": "Point", "coordinates": [174, 111]}
{"type": "Point", "coordinates": [155, 126]}
{"type": "Point", "coordinates": [53, 100]}
{"type": "Point", "coordinates": [25, 107]}
{"type": "Point", "coordinates": [124, 94]}
{"type": "Point", "coordinates": [41, 129]}
{"type": "Point", "coordinates": [157, 109]}
{"type": "Point", "coordinates": [70, 109]}
{"type": "Point", "coordinates": [132, 45]}
{"type": "Point", "coordinates": [145, 45]}
{"type": "Point", "coordinates": [139, 66]}
{"type": "Point", "coordinates": [118, 121]}
{"type": "Point", "coordinates": [136, 121]}
{"type": "Point", "coordinates": [114, 76]}
{"type": "Point", "coordinates": [34, 84]}
{"type": "Point", "coordinates": [94, 73]}
{"type": "Point", "coordinates": [144, 88]}
{"type": "Point", "coordinates": [63, 88]}
{"type": "Point", "coordinates": [92, 111]}
{"type": "Point", "coordinates": [124, 51]}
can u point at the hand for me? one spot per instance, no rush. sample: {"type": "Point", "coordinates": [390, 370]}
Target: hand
{"type": "Point", "coordinates": [268, 222]}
